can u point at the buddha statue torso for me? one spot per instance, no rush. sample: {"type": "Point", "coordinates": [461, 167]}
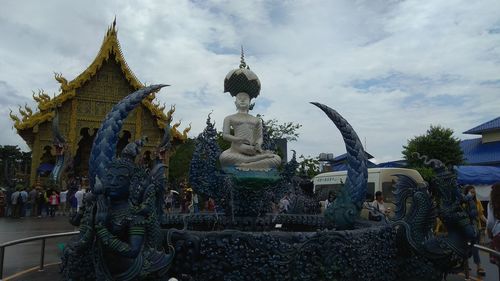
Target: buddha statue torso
{"type": "Point", "coordinates": [246, 152]}
{"type": "Point", "coordinates": [249, 129]}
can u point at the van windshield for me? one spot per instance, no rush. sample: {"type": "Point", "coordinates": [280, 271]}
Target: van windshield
{"type": "Point", "coordinates": [370, 191]}
{"type": "Point", "coordinates": [387, 189]}
{"type": "Point", "coordinates": [323, 190]}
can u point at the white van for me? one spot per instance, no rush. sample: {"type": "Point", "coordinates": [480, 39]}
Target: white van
{"type": "Point", "coordinates": [379, 179]}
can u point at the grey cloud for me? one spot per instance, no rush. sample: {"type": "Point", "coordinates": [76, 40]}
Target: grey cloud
{"type": "Point", "coordinates": [10, 97]}
{"type": "Point", "coordinates": [391, 68]}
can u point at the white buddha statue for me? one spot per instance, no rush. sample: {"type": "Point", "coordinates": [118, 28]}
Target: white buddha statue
{"type": "Point", "coordinates": [246, 151]}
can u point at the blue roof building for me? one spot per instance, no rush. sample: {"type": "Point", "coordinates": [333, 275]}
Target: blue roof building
{"type": "Point", "coordinates": [486, 149]}
{"type": "Point", "coordinates": [490, 126]}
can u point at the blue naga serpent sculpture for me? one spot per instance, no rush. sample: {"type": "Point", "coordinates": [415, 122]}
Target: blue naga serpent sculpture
{"type": "Point", "coordinates": [422, 255]}
{"type": "Point", "coordinates": [346, 208]}
{"type": "Point", "coordinates": [63, 158]}
{"type": "Point", "coordinates": [120, 236]}
{"type": "Point", "coordinates": [426, 254]}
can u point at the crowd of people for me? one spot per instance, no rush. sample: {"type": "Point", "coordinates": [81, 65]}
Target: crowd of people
{"type": "Point", "coordinates": [187, 202]}
{"type": "Point", "coordinates": [38, 201]}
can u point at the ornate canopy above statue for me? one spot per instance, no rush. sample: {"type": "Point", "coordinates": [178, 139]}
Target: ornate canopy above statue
{"type": "Point", "coordinates": [242, 79]}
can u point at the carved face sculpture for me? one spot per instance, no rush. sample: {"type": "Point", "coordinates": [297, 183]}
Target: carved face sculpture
{"type": "Point", "coordinates": [242, 101]}
{"type": "Point", "coordinates": [117, 183]}
{"type": "Point", "coordinates": [59, 149]}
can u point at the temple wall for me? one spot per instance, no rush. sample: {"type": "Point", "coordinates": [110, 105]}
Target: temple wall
{"type": "Point", "coordinates": [96, 97]}
{"type": "Point", "coordinates": [92, 102]}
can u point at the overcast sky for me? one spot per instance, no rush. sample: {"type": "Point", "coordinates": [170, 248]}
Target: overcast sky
{"type": "Point", "coordinates": [391, 68]}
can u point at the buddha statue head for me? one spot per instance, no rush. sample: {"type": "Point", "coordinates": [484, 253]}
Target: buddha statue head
{"type": "Point", "coordinates": [242, 102]}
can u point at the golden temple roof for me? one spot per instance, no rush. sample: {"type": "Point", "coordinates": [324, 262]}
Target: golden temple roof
{"type": "Point", "coordinates": [110, 45]}
{"type": "Point", "coordinates": [110, 48]}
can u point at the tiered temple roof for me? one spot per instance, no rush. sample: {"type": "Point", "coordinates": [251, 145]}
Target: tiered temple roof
{"type": "Point", "coordinates": [110, 48]}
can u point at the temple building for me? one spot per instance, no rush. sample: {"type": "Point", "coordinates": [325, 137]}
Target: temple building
{"type": "Point", "coordinates": [486, 149]}
{"type": "Point", "coordinates": [82, 104]}
{"type": "Point", "coordinates": [482, 159]}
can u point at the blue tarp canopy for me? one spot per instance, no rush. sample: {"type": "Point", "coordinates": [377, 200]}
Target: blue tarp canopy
{"type": "Point", "coordinates": [393, 164]}
{"type": "Point", "coordinates": [45, 168]}
{"type": "Point", "coordinates": [477, 174]}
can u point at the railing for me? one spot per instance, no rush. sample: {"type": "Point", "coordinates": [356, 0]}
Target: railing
{"type": "Point", "coordinates": [491, 252]}
{"type": "Point", "coordinates": [484, 249]}
{"type": "Point", "coordinates": [30, 239]}
{"type": "Point", "coordinates": [488, 250]}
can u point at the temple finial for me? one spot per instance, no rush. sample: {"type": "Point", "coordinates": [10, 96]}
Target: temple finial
{"type": "Point", "coordinates": [243, 64]}
{"type": "Point", "coordinates": [114, 22]}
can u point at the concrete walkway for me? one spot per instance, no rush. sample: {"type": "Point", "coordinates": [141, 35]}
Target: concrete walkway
{"type": "Point", "coordinates": [24, 256]}
{"type": "Point", "coordinates": [50, 273]}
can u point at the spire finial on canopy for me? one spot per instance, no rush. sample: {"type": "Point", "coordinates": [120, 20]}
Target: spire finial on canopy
{"type": "Point", "coordinates": [243, 64]}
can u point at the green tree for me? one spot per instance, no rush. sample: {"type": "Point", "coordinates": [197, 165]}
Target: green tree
{"type": "Point", "coordinates": [10, 159]}
{"type": "Point", "coordinates": [180, 160]}
{"type": "Point", "coordinates": [437, 143]}
{"type": "Point", "coordinates": [223, 144]}
{"type": "Point", "coordinates": [308, 166]}
{"type": "Point", "coordinates": [286, 130]}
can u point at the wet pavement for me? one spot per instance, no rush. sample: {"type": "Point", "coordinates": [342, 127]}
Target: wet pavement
{"type": "Point", "coordinates": [26, 256]}
{"type": "Point", "coordinates": [50, 273]}
{"type": "Point", "coordinates": [490, 269]}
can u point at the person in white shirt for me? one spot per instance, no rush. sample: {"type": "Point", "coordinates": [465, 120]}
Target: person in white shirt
{"type": "Point", "coordinates": [195, 202]}
{"type": "Point", "coordinates": [284, 204]}
{"type": "Point", "coordinates": [331, 197]}
{"type": "Point", "coordinates": [24, 200]}
{"type": "Point", "coordinates": [14, 198]}
{"type": "Point", "coordinates": [79, 198]}
{"type": "Point", "coordinates": [62, 200]}
{"type": "Point", "coordinates": [378, 205]}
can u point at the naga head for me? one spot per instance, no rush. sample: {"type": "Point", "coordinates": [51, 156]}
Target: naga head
{"type": "Point", "coordinates": [444, 183]}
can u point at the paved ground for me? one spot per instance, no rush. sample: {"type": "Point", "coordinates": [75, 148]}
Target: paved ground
{"type": "Point", "coordinates": [27, 256]}
{"type": "Point", "coordinates": [24, 256]}
{"type": "Point", "coordinates": [51, 273]}
{"type": "Point", "coordinates": [491, 271]}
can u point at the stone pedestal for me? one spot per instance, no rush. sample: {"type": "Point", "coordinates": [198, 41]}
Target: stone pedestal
{"type": "Point", "coordinates": [250, 191]}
